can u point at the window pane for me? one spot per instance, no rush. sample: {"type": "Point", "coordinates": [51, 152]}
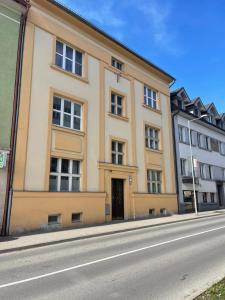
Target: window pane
{"type": "Point", "coordinates": [69, 65]}
{"type": "Point", "coordinates": [146, 142]}
{"type": "Point", "coordinates": [59, 47]}
{"type": "Point", "coordinates": [75, 184]}
{"type": "Point", "coordinates": [149, 187]}
{"type": "Point", "coordinates": [120, 159]}
{"type": "Point", "coordinates": [59, 60]}
{"type": "Point", "coordinates": [159, 188]}
{"type": "Point", "coordinates": [145, 100]}
{"type": "Point", "coordinates": [113, 109]}
{"type": "Point", "coordinates": [113, 158]}
{"type": "Point", "coordinates": [65, 166]}
{"type": "Point", "coordinates": [78, 69]}
{"type": "Point", "coordinates": [79, 57]}
{"type": "Point", "coordinates": [120, 147]}
{"type": "Point", "coordinates": [119, 111]}
{"type": "Point", "coordinates": [154, 95]}
{"type": "Point", "coordinates": [64, 186]}
{"type": "Point", "coordinates": [54, 163]}
{"type": "Point", "coordinates": [76, 167]}
{"type": "Point", "coordinates": [119, 100]}
{"type": "Point", "coordinates": [53, 183]}
{"type": "Point", "coordinates": [57, 103]}
{"type": "Point", "coordinates": [56, 118]}
{"type": "Point", "coordinates": [66, 120]}
{"type": "Point", "coordinates": [113, 98]}
{"type": "Point", "coordinates": [153, 187]}
{"type": "Point", "coordinates": [77, 109]}
{"type": "Point", "coordinates": [113, 146]}
{"type": "Point", "coordinates": [69, 52]}
{"type": "Point", "coordinates": [76, 123]}
{"type": "Point", "coordinates": [149, 92]}
{"type": "Point", "coordinates": [67, 107]}
{"type": "Point", "coordinates": [153, 175]}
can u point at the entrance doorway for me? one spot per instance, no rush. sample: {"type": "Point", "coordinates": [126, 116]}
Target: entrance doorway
{"type": "Point", "coordinates": [220, 193]}
{"type": "Point", "coordinates": [117, 199]}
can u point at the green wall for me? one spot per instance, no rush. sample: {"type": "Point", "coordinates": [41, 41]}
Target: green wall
{"type": "Point", "coordinates": [9, 32]}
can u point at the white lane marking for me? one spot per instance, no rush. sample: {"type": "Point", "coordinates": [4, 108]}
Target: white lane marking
{"type": "Point", "coordinates": [108, 258]}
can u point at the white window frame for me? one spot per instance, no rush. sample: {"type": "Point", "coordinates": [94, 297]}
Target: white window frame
{"type": "Point", "coordinates": [152, 140]}
{"type": "Point", "coordinates": [70, 175]}
{"type": "Point", "coordinates": [73, 60]}
{"type": "Point", "coordinates": [150, 101]}
{"type": "Point", "coordinates": [72, 115]}
{"type": "Point", "coordinates": [117, 153]}
{"type": "Point", "coordinates": [156, 182]}
{"type": "Point", "coordinates": [116, 105]}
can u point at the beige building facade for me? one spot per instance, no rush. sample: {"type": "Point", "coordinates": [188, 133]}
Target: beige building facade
{"type": "Point", "coordinates": [94, 138]}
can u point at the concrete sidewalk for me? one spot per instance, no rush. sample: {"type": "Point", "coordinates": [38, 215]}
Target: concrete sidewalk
{"type": "Point", "coordinates": [22, 242]}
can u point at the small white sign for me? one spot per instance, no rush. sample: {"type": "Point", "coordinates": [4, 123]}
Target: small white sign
{"type": "Point", "coordinates": [3, 159]}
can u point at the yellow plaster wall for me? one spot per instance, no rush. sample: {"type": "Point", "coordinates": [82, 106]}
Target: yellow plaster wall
{"type": "Point", "coordinates": [144, 202]}
{"type": "Point", "coordinates": [30, 210]}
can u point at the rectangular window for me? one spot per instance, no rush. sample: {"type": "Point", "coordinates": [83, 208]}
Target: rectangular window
{"type": "Point", "coordinates": [150, 98]}
{"type": "Point", "coordinates": [183, 134]}
{"type": "Point", "coordinates": [154, 181]}
{"type": "Point", "coordinates": [206, 171]}
{"type": "Point", "coordinates": [76, 217]}
{"type": "Point", "coordinates": [151, 138]}
{"type": "Point", "coordinates": [204, 142]}
{"type": "Point", "coordinates": [204, 197]}
{"type": "Point", "coordinates": [212, 197]}
{"type": "Point", "coordinates": [64, 175]}
{"type": "Point", "coordinates": [183, 165]}
{"type": "Point", "coordinates": [117, 152]}
{"type": "Point", "coordinates": [53, 219]}
{"type": "Point", "coordinates": [117, 64]}
{"type": "Point", "coordinates": [117, 104]}
{"type": "Point", "coordinates": [66, 113]}
{"type": "Point", "coordinates": [68, 58]}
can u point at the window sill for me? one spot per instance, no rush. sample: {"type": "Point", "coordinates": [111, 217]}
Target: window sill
{"type": "Point", "coordinates": [84, 79]}
{"type": "Point", "coordinates": [152, 109]}
{"type": "Point", "coordinates": [122, 118]}
{"type": "Point", "coordinates": [154, 150]}
{"type": "Point", "coordinates": [68, 130]}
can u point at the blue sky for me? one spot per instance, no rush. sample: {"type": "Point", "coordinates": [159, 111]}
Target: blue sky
{"type": "Point", "coordinates": [185, 38]}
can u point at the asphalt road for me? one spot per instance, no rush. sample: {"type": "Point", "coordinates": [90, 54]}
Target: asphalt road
{"type": "Point", "coordinates": [174, 261]}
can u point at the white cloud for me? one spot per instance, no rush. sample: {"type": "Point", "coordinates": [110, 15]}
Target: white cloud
{"type": "Point", "coordinates": [158, 17]}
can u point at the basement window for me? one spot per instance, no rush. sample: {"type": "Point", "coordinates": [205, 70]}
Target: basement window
{"type": "Point", "coordinates": [76, 217]}
{"type": "Point", "coordinates": [53, 219]}
{"type": "Point", "coordinates": [151, 211]}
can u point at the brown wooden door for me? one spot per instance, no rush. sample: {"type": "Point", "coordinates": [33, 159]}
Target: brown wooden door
{"type": "Point", "coordinates": [117, 199]}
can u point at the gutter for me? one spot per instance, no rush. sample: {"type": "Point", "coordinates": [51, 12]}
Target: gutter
{"type": "Point", "coordinates": [174, 114]}
{"type": "Point", "coordinates": [15, 113]}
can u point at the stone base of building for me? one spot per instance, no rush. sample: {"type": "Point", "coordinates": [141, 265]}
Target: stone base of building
{"type": "Point", "coordinates": [31, 210]}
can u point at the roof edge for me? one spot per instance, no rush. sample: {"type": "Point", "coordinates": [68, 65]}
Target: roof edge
{"type": "Point", "coordinates": [106, 35]}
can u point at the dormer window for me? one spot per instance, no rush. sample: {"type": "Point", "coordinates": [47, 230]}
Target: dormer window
{"type": "Point", "coordinates": [117, 64]}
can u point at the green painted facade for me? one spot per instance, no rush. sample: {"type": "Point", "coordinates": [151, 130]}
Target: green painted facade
{"type": "Point", "coordinates": [9, 33]}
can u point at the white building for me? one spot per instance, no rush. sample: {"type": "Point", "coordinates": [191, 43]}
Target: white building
{"type": "Point", "coordinates": [208, 144]}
